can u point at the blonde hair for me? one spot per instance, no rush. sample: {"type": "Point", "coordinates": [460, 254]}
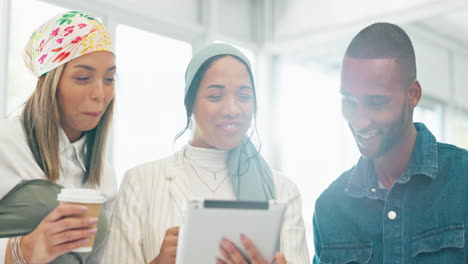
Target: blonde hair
{"type": "Point", "coordinates": [41, 122]}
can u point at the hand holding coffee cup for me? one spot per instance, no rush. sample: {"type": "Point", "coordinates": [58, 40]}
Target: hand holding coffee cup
{"type": "Point", "coordinates": [64, 229]}
{"type": "Point", "coordinates": [92, 199]}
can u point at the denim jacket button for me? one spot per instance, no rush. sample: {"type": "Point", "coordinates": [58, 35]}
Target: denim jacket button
{"type": "Point", "coordinates": [391, 215]}
{"type": "Point", "coordinates": [373, 190]}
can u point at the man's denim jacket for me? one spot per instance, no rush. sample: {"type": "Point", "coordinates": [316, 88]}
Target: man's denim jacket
{"type": "Point", "coordinates": [422, 219]}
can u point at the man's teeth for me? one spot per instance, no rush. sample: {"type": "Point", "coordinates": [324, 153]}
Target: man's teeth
{"type": "Point", "coordinates": [367, 135]}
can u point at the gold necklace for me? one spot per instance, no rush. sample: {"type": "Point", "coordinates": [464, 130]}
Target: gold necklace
{"type": "Point", "coordinates": [203, 167]}
{"type": "Point", "coordinates": [213, 191]}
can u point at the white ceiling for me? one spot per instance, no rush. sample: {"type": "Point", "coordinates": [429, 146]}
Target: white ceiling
{"type": "Point", "coordinates": [300, 16]}
{"type": "Point", "coordinates": [453, 25]}
{"type": "Point", "coordinates": [322, 29]}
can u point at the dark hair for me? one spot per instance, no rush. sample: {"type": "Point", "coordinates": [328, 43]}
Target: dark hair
{"type": "Point", "coordinates": [191, 95]}
{"type": "Point", "coordinates": [385, 40]}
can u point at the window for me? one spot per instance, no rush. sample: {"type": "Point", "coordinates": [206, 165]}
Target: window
{"type": "Point", "coordinates": [431, 113]}
{"type": "Point", "coordinates": [149, 98]}
{"type": "Point", "coordinates": [316, 143]}
{"type": "Point", "coordinates": [26, 16]}
{"type": "Point", "coordinates": [460, 128]}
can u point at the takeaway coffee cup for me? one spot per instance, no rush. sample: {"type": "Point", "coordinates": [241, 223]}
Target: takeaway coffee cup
{"type": "Point", "coordinates": [92, 199]}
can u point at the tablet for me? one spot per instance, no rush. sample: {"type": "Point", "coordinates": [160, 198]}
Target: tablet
{"type": "Point", "coordinates": [206, 222]}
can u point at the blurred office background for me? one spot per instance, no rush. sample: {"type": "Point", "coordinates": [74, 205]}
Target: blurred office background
{"type": "Point", "coordinates": [295, 46]}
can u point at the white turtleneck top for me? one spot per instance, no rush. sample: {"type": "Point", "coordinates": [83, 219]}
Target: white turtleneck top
{"type": "Point", "coordinates": [206, 170]}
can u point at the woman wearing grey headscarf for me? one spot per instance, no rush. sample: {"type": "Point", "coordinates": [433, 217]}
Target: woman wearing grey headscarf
{"type": "Point", "coordinates": [220, 162]}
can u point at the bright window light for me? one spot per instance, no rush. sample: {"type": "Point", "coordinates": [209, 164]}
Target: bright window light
{"type": "Point", "coordinates": [25, 17]}
{"type": "Point", "coordinates": [149, 97]}
{"type": "Point", "coordinates": [316, 143]}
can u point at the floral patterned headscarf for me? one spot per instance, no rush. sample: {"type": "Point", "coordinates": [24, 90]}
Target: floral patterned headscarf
{"type": "Point", "coordinates": [64, 38]}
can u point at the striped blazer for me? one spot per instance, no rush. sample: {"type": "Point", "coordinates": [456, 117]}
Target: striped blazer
{"type": "Point", "coordinates": [150, 201]}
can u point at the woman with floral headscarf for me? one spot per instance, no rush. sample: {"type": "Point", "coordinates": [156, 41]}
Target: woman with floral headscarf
{"type": "Point", "coordinates": [58, 141]}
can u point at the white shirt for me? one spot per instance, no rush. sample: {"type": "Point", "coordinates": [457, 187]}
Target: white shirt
{"type": "Point", "coordinates": [152, 195]}
{"type": "Point", "coordinates": [17, 163]}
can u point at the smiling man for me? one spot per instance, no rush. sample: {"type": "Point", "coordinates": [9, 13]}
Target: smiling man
{"type": "Point", "coordinates": [406, 200]}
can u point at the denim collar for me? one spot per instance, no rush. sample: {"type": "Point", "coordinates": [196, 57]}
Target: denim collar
{"type": "Point", "coordinates": [363, 179]}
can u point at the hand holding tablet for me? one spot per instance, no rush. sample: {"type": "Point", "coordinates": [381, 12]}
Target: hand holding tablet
{"type": "Point", "coordinates": [167, 253]}
{"type": "Point", "coordinates": [232, 255]}
{"type": "Point", "coordinates": [244, 229]}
